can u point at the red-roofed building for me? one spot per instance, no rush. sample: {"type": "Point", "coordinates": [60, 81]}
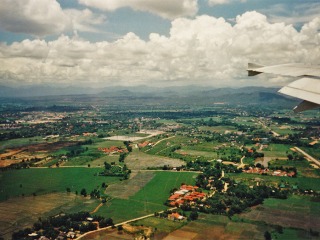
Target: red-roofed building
{"type": "Point", "coordinates": [174, 197]}
{"type": "Point", "coordinates": [175, 216]}
{"type": "Point", "coordinates": [144, 144]}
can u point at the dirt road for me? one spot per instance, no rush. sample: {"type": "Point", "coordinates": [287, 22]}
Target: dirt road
{"type": "Point", "coordinates": [118, 224]}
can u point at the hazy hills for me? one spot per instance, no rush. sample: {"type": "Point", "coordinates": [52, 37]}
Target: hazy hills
{"type": "Point", "coordinates": [144, 95]}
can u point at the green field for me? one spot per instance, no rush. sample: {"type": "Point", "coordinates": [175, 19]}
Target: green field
{"type": "Point", "coordinates": [161, 224]}
{"type": "Point", "coordinates": [149, 199]}
{"type": "Point", "coordinates": [298, 203]}
{"type": "Point", "coordinates": [283, 131]}
{"type": "Point", "coordinates": [40, 181]}
{"type": "Point", "coordinates": [277, 150]}
{"type": "Point", "coordinates": [296, 212]}
{"type": "Point", "coordinates": [14, 183]}
{"type": "Point", "coordinates": [137, 160]}
{"type": "Point", "coordinates": [219, 129]}
{"type": "Point", "coordinates": [20, 142]}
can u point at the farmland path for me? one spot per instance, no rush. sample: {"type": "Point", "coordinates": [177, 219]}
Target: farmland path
{"type": "Point", "coordinates": [97, 208]}
{"type": "Point", "coordinates": [125, 222]}
{"type": "Point", "coordinates": [160, 142]}
{"type": "Point", "coordinates": [241, 162]}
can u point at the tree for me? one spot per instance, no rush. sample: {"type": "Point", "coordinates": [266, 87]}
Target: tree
{"type": "Point", "coordinates": [107, 166]}
{"type": "Point", "coordinates": [267, 235]}
{"type": "Point", "coordinates": [83, 192]}
{"type": "Point", "coordinates": [193, 215]}
{"type": "Point", "coordinates": [120, 228]}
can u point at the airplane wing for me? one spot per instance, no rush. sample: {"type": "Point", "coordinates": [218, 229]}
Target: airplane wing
{"type": "Point", "coordinates": [306, 88]}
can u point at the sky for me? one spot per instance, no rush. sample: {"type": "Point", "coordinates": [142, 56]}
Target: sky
{"type": "Point", "coordinates": [101, 43]}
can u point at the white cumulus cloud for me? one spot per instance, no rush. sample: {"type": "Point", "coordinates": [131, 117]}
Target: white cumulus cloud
{"type": "Point", "coordinates": [205, 51]}
{"type": "Point", "coordinates": [32, 16]}
{"type": "Point", "coordinates": [44, 17]}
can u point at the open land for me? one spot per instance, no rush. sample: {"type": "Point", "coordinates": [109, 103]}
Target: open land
{"type": "Point", "coordinates": [22, 212]}
{"type": "Point", "coordinates": [95, 158]}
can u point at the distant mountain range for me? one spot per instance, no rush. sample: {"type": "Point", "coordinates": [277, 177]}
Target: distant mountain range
{"type": "Point", "coordinates": [195, 95]}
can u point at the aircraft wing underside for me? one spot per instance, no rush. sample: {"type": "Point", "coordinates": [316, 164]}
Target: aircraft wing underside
{"type": "Point", "coordinates": [307, 88]}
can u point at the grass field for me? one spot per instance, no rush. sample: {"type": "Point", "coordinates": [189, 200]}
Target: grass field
{"type": "Point", "coordinates": [14, 183]}
{"type": "Point", "coordinates": [295, 212]}
{"type": "Point", "coordinates": [217, 227]}
{"type": "Point", "coordinates": [283, 130]}
{"type": "Point", "coordinates": [141, 160]}
{"type": "Point", "coordinates": [219, 129]}
{"type": "Point", "coordinates": [162, 225]}
{"type": "Point", "coordinates": [149, 199]}
{"type": "Point", "coordinates": [277, 150]}
{"type": "Point", "coordinates": [205, 146]}
{"type": "Point", "coordinates": [296, 203]}
{"type": "Point", "coordinates": [14, 143]}
{"type": "Point", "coordinates": [106, 158]}
{"type": "Point", "coordinates": [22, 212]}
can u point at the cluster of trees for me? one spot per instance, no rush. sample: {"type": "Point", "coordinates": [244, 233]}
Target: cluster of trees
{"type": "Point", "coordinates": [211, 174]}
{"type": "Point", "coordinates": [122, 157]}
{"type": "Point", "coordinates": [254, 154]}
{"type": "Point", "coordinates": [295, 156]}
{"type": "Point", "coordinates": [61, 224]}
{"type": "Point", "coordinates": [238, 196]}
{"type": "Point", "coordinates": [128, 146]}
{"type": "Point", "coordinates": [118, 171]}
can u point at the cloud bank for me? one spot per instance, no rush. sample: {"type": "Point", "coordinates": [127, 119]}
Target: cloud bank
{"type": "Point", "coordinates": [204, 51]}
{"type": "Point", "coordinates": [169, 9]}
{"type": "Point", "coordinates": [45, 17]}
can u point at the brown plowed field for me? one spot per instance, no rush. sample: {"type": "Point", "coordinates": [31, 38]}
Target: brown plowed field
{"type": "Point", "coordinates": [40, 151]}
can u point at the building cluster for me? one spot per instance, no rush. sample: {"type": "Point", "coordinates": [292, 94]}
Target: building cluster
{"type": "Point", "coordinates": [186, 194]}
{"type": "Point", "coordinates": [175, 216]}
{"type": "Point", "coordinates": [144, 144]}
{"type": "Point", "coordinates": [267, 171]}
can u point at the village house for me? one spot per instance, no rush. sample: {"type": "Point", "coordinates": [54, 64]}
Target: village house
{"type": "Point", "coordinates": [144, 144]}
{"type": "Point", "coordinates": [175, 216]}
{"type": "Point", "coordinates": [279, 173]}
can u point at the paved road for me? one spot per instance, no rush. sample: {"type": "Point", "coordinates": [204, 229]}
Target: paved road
{"type": "Point", "coordinates": [310, 158]}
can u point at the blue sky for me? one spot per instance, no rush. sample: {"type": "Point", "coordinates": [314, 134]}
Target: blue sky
{"type": "Point", "coordinates": [167, 42]}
